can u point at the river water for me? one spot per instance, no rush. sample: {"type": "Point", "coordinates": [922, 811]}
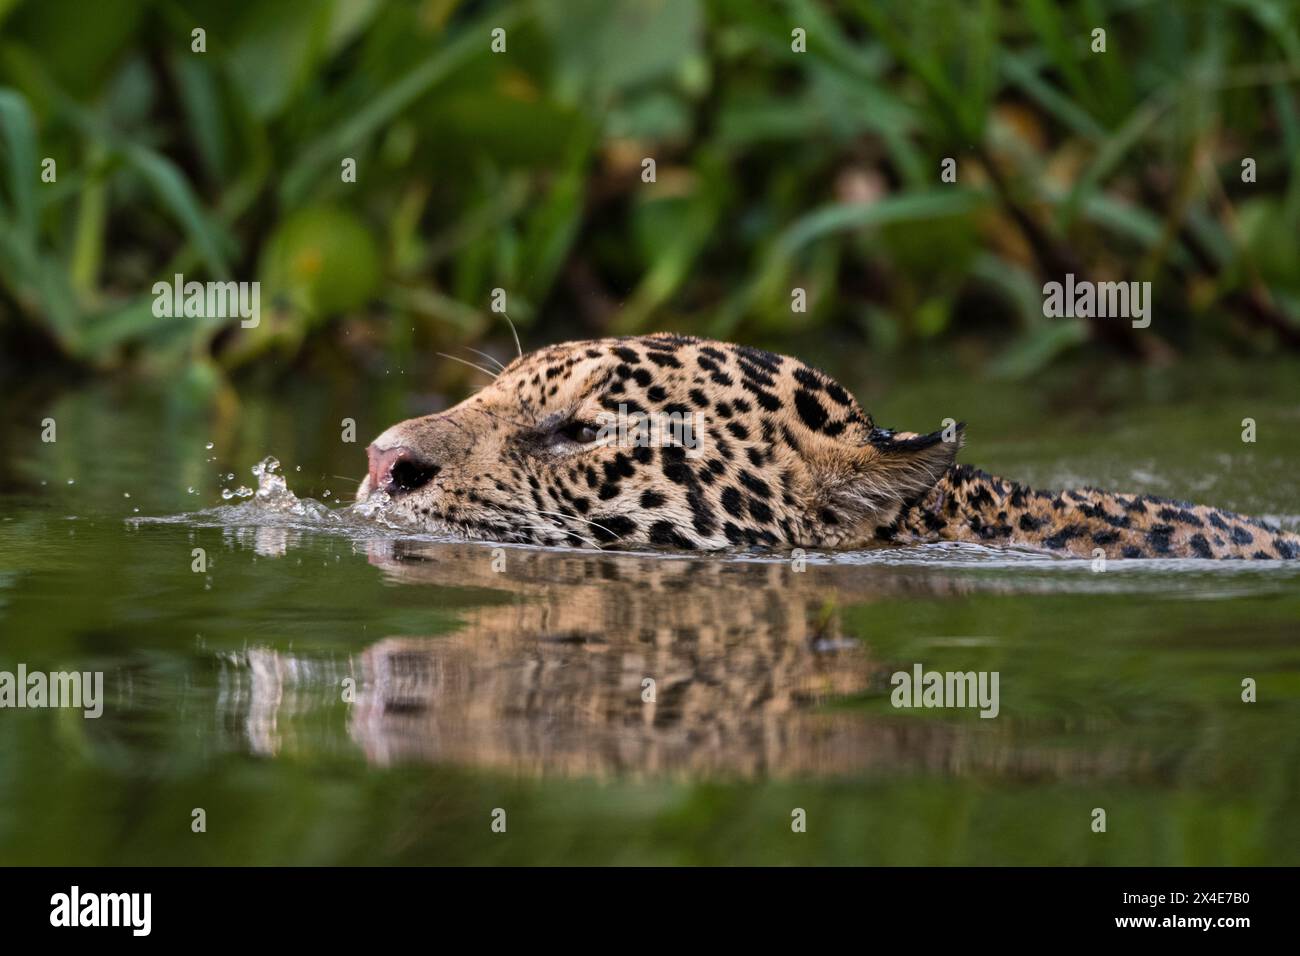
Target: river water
{"type": "Point", "coordinates": [315, 687]}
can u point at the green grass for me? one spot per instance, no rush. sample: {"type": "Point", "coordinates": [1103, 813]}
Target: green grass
{"type": "Point", "coordinates": [521, 171]}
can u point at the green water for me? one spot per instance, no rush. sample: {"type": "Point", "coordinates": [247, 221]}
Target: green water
{"type": "Point", "coordinates": [513, 680]}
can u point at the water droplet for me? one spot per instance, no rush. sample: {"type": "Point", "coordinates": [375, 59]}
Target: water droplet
{"type": "Point", "coordinates": [126, 494]}
{"type": "Point", "coordinates": [208, 446]}
{"type": "Point", "coordinates": [72, 481]}
{"type": "Point", "coordinates": [227, 494]}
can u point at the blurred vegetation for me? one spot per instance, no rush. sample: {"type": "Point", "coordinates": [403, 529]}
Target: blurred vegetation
{"type": "Point", "coordinates": [522, 170]}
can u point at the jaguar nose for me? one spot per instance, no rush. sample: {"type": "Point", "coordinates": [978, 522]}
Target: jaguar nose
{"type": "Point", "coordinates": [399, 469]}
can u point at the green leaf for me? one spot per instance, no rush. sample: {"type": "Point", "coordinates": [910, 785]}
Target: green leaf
{"type": "Point", "coordinates": [1072, 114]}
{"type": "Point", "coordinates": [19, 137]}
{"type": "Point", "coordinates": [934, 204]}
{"type": "Point", "coordinates": [1111, 154]}
{"type": "Point", "coordinates": [1017, 283]}
{"type": "Point", "coordinates": [323, 259]}
{"type": "Point", "coordinates": [604, 47]}
{"type": "Point", "coordinates": [1047, 19]}
{"type": "Point", "coordinates": [471, 42]}
{"type": "Point", "coordinates": [273, 57]}
{"type": "Point", "coordinates": [1039, 346]}
{"type": "Point", "coordinates": [1135, 223]}
{"type": "Point", "coordinates": [682, 227]}
{"type": "Point", "coordinates": [198, 90]}
{"type": "Point", "coordinates": [132, 321]}
{"type": "Point", "coordinates": [173, 190]}
{"type": "Point", "coordinates": [166, 181]}
{"type": "Point", "coordinates": [553, 225]}
{"type": "Point", "coordinates": [828, 220]}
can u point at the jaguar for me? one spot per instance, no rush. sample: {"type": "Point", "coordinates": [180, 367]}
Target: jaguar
{"type": "Point", "coordinates": [758, 450]}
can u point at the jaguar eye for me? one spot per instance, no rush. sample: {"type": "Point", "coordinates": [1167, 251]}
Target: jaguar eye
{"type": "Point", "coordinates": [584, 433]}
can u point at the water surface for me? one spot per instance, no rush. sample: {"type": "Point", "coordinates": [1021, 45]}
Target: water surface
{"type": "Point", "coordinates": [329, 690]}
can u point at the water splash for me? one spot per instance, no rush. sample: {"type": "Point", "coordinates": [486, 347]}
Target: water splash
{"type": "Point", "coordinates": [273, 504]}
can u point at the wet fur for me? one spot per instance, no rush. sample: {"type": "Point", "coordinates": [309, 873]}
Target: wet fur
{"type": "Point", "coordinates": [788, 459]}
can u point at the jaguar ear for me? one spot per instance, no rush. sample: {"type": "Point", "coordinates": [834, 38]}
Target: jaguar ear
{"type": "Point", "coordinates": [893, 469]}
